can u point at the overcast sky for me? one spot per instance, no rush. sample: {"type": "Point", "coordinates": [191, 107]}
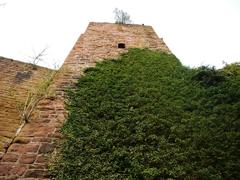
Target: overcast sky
{"type": "Point", "coordinates": [198, 32]}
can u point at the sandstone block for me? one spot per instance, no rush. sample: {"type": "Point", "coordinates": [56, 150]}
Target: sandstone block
{"type": "Point", "coordinates": [27, 159]}
{"type": "Point", "coordinates": [24, 148]}
{"type": "Point", "coordinates": [10, 157]}
{"type": "Point", "coordinates": [41, 159]}
{"type": "Point", "coordinates": [18, 170]}
{"type": "Point", "coordinates": [5, 169]}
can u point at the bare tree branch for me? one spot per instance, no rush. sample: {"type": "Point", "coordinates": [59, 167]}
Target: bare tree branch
{"type": "Point", "coordinates": [121, 17]}
{"type": "Point", "coordinates": [36, 58]}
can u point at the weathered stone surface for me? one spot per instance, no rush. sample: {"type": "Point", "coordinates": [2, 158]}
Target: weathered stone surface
{"type": "Point", "coordinates": [19, 170]}
{"type": "Point", "coordinates": [16, 80]}
{"type": "Point", "coordinates": [55, 135]}
{"type": "Point", "coordinates": [5, 169]}
{"type": "Point", "coordinates": [41, 159]}
{"type": "Point", "coordinates": [10, 157]}
{"type": "Point", "coordinates": [26, 154]}
{"type": "Point", "coordinates": [46, 148]}
{"type": "Point", "coordinates": [24, 148]}
{"type": "Point", "coordinates": [36, 174]}
{"type": "Point", "coordinates": [43, 132]}
{"type": "Point", "coordinates": [27, 158]}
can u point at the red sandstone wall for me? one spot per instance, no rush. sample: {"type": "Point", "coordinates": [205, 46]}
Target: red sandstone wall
{"type": "Point", "coordinates": [16, 80]}
{"type": "Point", "coordinates": [100, 41]}
{"type": "Point", "coordinates": [27, 156]}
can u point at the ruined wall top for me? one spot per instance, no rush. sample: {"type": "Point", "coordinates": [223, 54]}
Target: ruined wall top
{"type": "Point", "coordinates": [103, 41]}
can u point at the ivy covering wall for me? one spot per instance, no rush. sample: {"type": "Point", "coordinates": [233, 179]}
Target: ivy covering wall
{"type": "Point", "coordinates": [146, 116]}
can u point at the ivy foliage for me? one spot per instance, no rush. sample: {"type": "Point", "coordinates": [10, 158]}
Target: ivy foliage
{"type": "Point", "coordinates": [145, 116]}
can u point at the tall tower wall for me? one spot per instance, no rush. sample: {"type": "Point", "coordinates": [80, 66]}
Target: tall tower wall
{"type": "Point", "coordinates": [26, 156]}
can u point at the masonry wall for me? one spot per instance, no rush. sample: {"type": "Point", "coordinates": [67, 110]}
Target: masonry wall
{"type": "Point", "coordinates": [27, 156]}
{"type": "Point", "coordinates": [17, 79]}
{"type": "Point", "coordinates": [101, 40]}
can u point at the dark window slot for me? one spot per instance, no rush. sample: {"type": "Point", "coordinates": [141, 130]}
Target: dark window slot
{"type": "Point", "coordinates": [121, 45]}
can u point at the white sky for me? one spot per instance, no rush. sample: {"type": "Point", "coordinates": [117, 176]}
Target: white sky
{"type": "Point", "coordinates": [198, 32]}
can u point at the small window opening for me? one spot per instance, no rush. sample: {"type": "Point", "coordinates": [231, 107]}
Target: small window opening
{"type": "Point", "coordinates": [121, 45]}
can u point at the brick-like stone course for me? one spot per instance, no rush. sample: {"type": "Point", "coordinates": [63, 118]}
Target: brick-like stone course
{"type": "Point", "coordinates": [10, 157]}
{"type": "Point", "coordinates": [17, 79]}
{"type": "Point", "coordinates": [27, 156]}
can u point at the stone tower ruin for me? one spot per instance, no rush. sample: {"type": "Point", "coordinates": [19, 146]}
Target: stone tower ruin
{"type": "Point", "coordinates": [24, 155]}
